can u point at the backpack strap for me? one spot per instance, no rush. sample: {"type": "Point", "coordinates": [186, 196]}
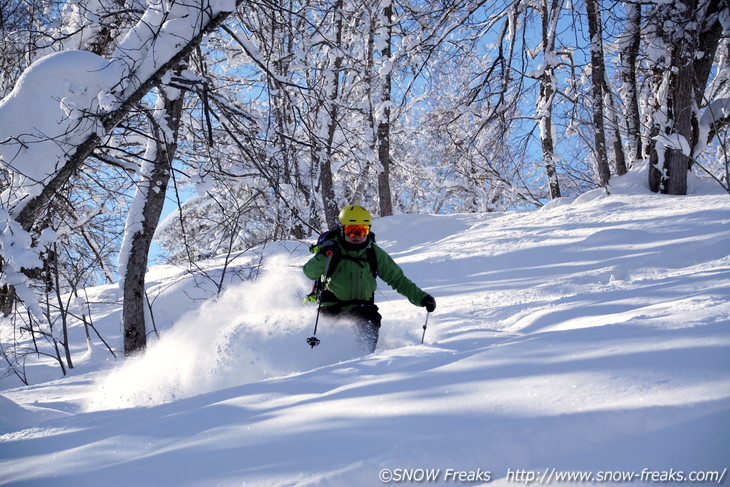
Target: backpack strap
{"type": "Point", "coordinates": [334, 261]}
{"type": "Point", "coordinates": [372, 259]}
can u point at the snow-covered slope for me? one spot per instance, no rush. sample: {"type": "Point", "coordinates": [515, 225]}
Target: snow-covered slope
{"type": "Point", "coordinates": [590, 336]}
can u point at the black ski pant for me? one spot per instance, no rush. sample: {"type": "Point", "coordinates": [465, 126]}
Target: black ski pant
{"type": "Point", "coordinates": [366, 319]}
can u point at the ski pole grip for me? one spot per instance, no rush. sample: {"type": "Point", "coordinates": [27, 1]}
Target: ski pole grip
{"type": "Point", "coordinates": [329, 253]}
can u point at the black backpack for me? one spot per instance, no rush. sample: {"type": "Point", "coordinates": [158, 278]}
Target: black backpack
{"type": "Point", "coordinates": [334, 234]}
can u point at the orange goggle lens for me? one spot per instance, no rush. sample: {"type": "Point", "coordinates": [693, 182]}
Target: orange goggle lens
{"type": "Point", "coordinates": [356, 230]}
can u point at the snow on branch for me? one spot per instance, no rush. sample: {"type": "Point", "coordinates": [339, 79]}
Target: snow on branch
{"type": "Point", "coordinates": [52, 109]}
{"type": "Point", "coordinates": [69, 97]}
{"type": "Point", "coordinates": [715, 116]}
{"type": "Point", "coordinates": [65, 98]}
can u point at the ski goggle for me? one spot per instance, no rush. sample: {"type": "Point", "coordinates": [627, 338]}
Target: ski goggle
{"type": "Point", "coordinates": [356, 230]}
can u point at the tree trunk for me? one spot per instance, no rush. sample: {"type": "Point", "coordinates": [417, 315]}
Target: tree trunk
{"type": "Point", "coordinates": [547, 93]}
{"type": "Point", "coordinates": [151, 193]}
{"type": "Point", "coordinates": [668, 173]}
{"type": "Point", "coordinates": [598, 73]}
{"type": "Point", "coordinates": [631, 42]}
{"type": "Point", "coordinates": [7, 298]}
{"type": "Point", "coordinates": [331, 209]}
{"type": "Point", "coordinates": [692, 46]}
{"type": "Point", "coordinates": [327, 187]}
{"type": "Point", "coordinates": [385, 197]}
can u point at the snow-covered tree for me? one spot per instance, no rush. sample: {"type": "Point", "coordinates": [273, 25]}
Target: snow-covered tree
{"type": "Point", "coordinates": [71, 118]}
{"type": "Point", "coordinates": [684, 37]}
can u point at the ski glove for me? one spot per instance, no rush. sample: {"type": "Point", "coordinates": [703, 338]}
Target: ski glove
{"type": "Point", "coordinates": [429, 302]}
{"type": "Point", "coordinates": [330, 247]}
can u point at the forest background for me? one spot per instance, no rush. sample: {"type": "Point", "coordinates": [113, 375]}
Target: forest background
{"type": "Point", "coordinates": [258, 120]}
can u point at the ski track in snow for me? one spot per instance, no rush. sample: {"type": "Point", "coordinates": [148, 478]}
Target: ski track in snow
{"type": "Point", "coordinates": [591, 335]}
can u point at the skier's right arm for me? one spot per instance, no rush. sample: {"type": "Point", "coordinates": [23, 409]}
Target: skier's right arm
{"type": "Point", "coordinates": [314, 267]}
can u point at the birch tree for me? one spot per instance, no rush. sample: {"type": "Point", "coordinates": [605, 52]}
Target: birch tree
{"type": "Point", "coordinates": [550, 15]}
{"type": "Point", "coordinates": [629, 44]}
{"type": "Point", "coordinates": [384, 120]}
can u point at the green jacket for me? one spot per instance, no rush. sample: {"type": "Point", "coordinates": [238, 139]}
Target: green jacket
{"type": "Point", "coordinates": [352, 279]}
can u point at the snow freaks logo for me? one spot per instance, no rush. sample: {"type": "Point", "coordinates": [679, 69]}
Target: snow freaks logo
{"type": "Point", "coordinates": [548, 476]}
{"type": "Point", "coordinates": [417, 475]}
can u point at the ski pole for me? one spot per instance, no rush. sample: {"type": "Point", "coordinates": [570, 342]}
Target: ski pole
{"type": "Point", "coordinates": [425, 325]}
{"type": "Point", "coordinates": [313, 341]}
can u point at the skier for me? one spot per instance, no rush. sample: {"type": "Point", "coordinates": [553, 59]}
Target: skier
{"type": "Point", "coordinates": [354, 263]}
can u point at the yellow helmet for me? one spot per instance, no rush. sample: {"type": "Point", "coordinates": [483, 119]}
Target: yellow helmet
{"type": "Point", "coordinates": [355, 215]}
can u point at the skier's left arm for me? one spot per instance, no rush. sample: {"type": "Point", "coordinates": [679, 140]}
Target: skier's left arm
{"type": "Point", "coordinates": [393, 275]}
